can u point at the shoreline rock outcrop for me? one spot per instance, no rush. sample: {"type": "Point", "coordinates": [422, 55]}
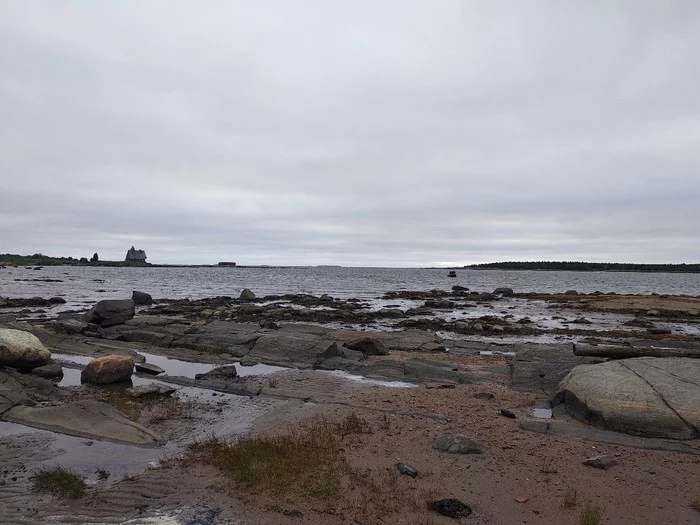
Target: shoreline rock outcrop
{"type": "Point", "coordinates": [643, 396]}
{"type": "Point", "coordinates": [22, 350]}
{"type": "Point", "coordinates": [111, 312]}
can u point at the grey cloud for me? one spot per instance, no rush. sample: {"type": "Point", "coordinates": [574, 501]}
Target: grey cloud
{"type": "Point", "coordinates": [383, 133]}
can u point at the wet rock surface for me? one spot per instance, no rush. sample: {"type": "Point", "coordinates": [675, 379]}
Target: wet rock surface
{"type": "Point", "coordinates": [108, 369]}
{"type": "Point", "coordinates": [88, 418]}
{"type": "Point", "coordinates": [150, 390]}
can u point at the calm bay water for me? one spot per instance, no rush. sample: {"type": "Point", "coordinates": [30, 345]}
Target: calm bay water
{"type": "Point", "coordinates": [83, 285]}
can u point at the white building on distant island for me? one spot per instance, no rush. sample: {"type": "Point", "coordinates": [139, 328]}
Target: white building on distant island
{"type": "Point", "coordinates": [134, 255]}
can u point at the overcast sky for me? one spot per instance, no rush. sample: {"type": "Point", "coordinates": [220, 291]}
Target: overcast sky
{"type": "Point", "coordinates": [382, 133]}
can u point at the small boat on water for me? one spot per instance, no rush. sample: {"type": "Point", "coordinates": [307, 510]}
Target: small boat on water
{"type": "Point", "coordinates": [452, 274]}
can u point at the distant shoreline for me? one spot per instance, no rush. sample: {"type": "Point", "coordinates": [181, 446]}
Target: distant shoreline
{"type": "Point", "coordinates": [575, 266]}
{"type": "Point", "coordinates": [572, 266]}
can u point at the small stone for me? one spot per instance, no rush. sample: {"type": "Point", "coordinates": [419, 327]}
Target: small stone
{"type": "Point", "coordinates": [151, 390]}
{"type": "Point", "coordinates": [403, 468]}
{"type": "Point", "coordinates": [368, 346]}
{"type": "Point", "coordinates": [220, 373]}
{"type": "Point", "coordinates": [456, 444]}
{"type": "Point", "coordinates": [452, 508]}
{"type": "Point", "coordinates": [50, 371]}
{"type": "Point", "coordinates": [148, 368]}
{"type": "Point", "coordinates": [603, 462]}
{"type": "Point", "coordinates": [507, 413]}
{"type": "Point", "coordinates": [484, 395]}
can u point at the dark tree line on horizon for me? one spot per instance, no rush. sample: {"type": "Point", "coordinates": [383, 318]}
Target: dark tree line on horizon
{"type": "Point", "coordinates": [39, 259]}
{"type": "Point", "coordinates": [580, 266]}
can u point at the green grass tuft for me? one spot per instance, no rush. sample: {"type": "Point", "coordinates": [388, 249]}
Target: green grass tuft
{"type": "Point", "coordinates": [59, 481]}
{"type": "Point", "coordinates": [307, 461]}
{"type": "Point", "coordinates": [591, 514]}
{"type": "Point", "coordinates": [570, 497]}
{"type": "Point", "coordinates": [695, 504]}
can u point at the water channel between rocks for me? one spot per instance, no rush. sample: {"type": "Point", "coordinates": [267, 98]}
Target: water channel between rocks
{"type": "Point", "coordinates": [224, 415]}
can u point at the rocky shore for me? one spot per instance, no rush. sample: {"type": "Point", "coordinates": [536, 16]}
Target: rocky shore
{"type": "Point", "coordinates": [525, 378]}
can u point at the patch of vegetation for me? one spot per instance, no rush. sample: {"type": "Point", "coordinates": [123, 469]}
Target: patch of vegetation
{"type": "Point", "coordinates": [129, 477]}
{"type": "Point", "coordinates": [307, 461]}
{"type": "Point", "coordinates": [548, 467]}
{"type": "Point", "coordinates": [591, 514]}
{"type": "Point", "coordinates": [167, 409]}
{"type": "Point", "coordinates": [102, 474]}
{"type": "Point", "coordinates": [59, 481]}
{"type": "Point", "coordinates": [695, 504]}
{"type": "Point", "coordinates": [570, 497]}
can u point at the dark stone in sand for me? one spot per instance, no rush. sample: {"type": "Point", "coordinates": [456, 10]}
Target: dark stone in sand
{"type": "Point", "coordinates": [507, 413]}
{"type": "Point", "coordinates": [602, 462]}
{"type": "Point", "coordinates": [452, 508]}
{"type": "Point", "coordinates": [403, 468]}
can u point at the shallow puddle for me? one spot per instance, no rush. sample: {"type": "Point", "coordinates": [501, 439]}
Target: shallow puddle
{"type": "Point", "coordinates": [542, 413]}
{"type": "Point", "coordinates": [368, 381]}
{"type": "Point", "coordinates": [172, 367]}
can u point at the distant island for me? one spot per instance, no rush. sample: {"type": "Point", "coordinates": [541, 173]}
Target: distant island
{"type": "Point", "coordinates": [577, 266]}
{"type": "Point", "coordinates": [38, 259]}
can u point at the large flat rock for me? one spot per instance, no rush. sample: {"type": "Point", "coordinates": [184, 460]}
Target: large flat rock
{"type": "Point", "coordinates": [298, 349]}
{"type": "Point", "coordinates": [24, 389]}
{"type": "Point", "coordinates": [644, 396]}
{"type": "Point", "coordinates": [540, 368]}
{"type": "Point", "coordinates": [88, 419]}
